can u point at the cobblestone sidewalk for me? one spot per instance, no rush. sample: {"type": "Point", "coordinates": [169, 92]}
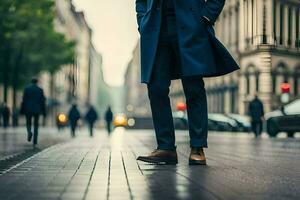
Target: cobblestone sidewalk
{"type": "Point", "coordinates": [106, 168]}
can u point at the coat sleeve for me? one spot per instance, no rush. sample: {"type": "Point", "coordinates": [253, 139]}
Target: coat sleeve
{"type": "Point", "coordinates": [212, 9]}
{"type": "Point", "coordinates": [140, 8]}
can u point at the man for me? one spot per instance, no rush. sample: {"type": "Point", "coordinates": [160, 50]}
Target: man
{"type": "Point", "coordinates": [256, 112]}
{"type": "Point", "coordinates": [33, 105]}
{"type": "Point", "coordinates": [5, 115]}
{"type": "Point", "coordinates": [108, 118]}
{"type": "Point", "coordinates": [91, 117]}
{"type": "Point", "coordinates": [178, 41]}
{"type": "Point", "coordinates": [74, 116]}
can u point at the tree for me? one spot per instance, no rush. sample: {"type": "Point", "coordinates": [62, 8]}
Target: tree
{"type": "Point", "coordinates": [29, 43]}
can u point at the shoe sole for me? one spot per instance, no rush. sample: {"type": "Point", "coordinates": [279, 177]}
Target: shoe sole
{"type": "Point", "coordinates": [197, 162]}
{"type": "Point", "coordinates": [158, 161]}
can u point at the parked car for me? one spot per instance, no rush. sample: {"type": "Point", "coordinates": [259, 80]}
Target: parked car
{"type": "Point", "coordinates": [140, 122]}
{"type": "Point", "coordinates": [220, 122]}
{"type": "Point", "coordinates": [244, 123]}
{"type": "Point", "coordinates": [286, 120]}
{"type": "Point", "coordinates": [180, 120]}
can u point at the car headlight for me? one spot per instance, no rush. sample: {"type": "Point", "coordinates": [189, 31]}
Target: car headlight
{"type": "Point", "coordinates": [62, 118]}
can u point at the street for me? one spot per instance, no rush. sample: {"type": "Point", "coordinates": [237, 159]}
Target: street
{"type": "Point", "coordinates": [105, 167]}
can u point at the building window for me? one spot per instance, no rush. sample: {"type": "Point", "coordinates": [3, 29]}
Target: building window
{"type": "Point", "coordinates": [252, 21]}
{"type": "Point", "coordinates": [233, 97]}
{"type": "Point", "coordinates": [257, 80]}
{"type": "Point", "coordinates": [264, 36]}
{"type": "Point", "coordinates": [247, 84]}
{"type": "Point", "coordinates": [290, 26]}
{"type": "Point", "coordinates": [275, 20]}
{"type": "Point", "coordinates": [281, 24]}
{"type": "Point", "coordinates": [297, 42]}
{"type": "Point", "coordinates": [252, 80]}
{"type": "Point", "coordinates": [279, 75]}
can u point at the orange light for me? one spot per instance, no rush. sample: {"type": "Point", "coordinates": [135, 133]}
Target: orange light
{"type": "Point", "coordinates": [285, 87]}
{"type": "Point", "coordinates": [120, 120]}
{"type": "Point", "coordinates": [181, 106]}
{"type": "Point", "coordinates": [62, 118]}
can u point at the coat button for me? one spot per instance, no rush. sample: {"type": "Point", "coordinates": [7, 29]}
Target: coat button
{"type": "Point", "coordinates": [192, 9]}
{"type": "Point", "coordinates": [157, 8]}
{"type": "Point", "coordinates": [182, 27]}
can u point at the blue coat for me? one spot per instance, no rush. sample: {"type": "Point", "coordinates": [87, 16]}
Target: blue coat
{"type": "Point", "coordinates": [34, 101]}
{"type": "Point", "coordinates": [201, 53]}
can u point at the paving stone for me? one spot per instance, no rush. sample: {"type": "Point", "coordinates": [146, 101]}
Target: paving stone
{"type": "Point", "coordinates": [239, 167]}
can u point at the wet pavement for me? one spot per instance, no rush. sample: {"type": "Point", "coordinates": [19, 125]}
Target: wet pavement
{"type": "Point", "coordinates": [14, 140]}
{"type": "Point", "coordinates": [14, 147]}
{"type": "Point", "coordinates": [103, 167]}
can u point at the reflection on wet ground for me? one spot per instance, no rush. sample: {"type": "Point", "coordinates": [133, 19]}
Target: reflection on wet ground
{"type": "Point", "coordinates": [103, 167]}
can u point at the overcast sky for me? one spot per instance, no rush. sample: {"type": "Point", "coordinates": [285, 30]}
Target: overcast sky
{"type": "Point", "coordinates": [114, 33]}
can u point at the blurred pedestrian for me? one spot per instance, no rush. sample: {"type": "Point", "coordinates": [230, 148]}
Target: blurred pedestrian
{"type": "Point", "coordinates": [1, 111]}
{"type": "Point", "coordinates": [5, 115]}
{"type": "Point", "coordinates": [108, 119]}
{"type": "Point", "coordinates": [15, 117]}
{"type": "Point", "coordinates": [178, 42]}
{"type": "Point", "coordinates": [74, 116]}
{"type": "Point", "coordinates": [256, 112]}
{"type": "Point", "coordinates": [91, 117]}
{"type": "Point", "coordinates": [33, 105]}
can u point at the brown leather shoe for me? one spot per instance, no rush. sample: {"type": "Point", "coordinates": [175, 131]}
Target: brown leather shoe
{"type": "Point", "coordinates": [160, 157]}
{"type": "Point", "coordinates": [197, 157]}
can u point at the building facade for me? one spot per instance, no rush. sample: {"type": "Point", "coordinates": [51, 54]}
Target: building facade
{"type": "Point", "coordinates": [74, 79]}
{"type": "Point", "coordinates": [81, 82]}
{"type": "Point", "coordinates": [100, 96]}
{"type": "Point", "coordinates": [136, 98]}
{"type": "Point", "coordinates": [263, 36]}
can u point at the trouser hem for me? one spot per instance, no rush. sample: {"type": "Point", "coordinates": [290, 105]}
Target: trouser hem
{"type": "Point", "coordinates": [166, 148]}
{"type": "Point", "coordinates": [200, 144]}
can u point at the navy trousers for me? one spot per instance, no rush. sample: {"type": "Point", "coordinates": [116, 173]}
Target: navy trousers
{"type": "Point", "coordinates": [167, 61]}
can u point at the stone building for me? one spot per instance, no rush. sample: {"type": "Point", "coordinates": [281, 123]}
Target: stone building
{"type": "Point", "coordinates": [263, 36]}
{"type": "Point", "coordinates": [83, 80]}
{"type": "Point", "coordinates": [136, 99]}
{"type": "Point", "coordinates": [99, 92]}
{"type": "Point", "coordinates": [73, 25]}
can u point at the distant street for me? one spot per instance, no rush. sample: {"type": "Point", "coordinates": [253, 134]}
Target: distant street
{"type": "Point", "coordinates": [105, 167]}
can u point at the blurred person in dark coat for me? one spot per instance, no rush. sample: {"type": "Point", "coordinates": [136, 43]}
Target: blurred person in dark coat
{"type": "Point", "coordinates": [108, 118]}
{"type": "Point", "coordinates": [73, 116]}
{"type": "Point", "coordinates": [178, 42]}
{"type": "Point", "coordinates": [33, 105]}
{"type": "Point", "coordinates": [5, 112]}
{"type": "Point", "coordinates": [91, 117]}
{"type": "Point", "coordinates": [256, 112]}
{"type": "Point", "coordinates": [1, 108]}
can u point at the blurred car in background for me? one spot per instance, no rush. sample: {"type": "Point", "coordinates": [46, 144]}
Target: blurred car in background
{"type": "Point", "coordinates": [220, 122]}
{"type": "Point", "coordinates": [216, 122]}
{"type": "Point", "coordinates": [244, 122]}
{"type": "Point", "coordinates": [180, 120]}
{"type": "Point", "coordinates": [61, 120]}
{"type": "Point", "coordinates": [120, 120]}
{"type": "Point", "coordinates": [139, 122]}
{"type": "Point", "coordinates": [286, 120]}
